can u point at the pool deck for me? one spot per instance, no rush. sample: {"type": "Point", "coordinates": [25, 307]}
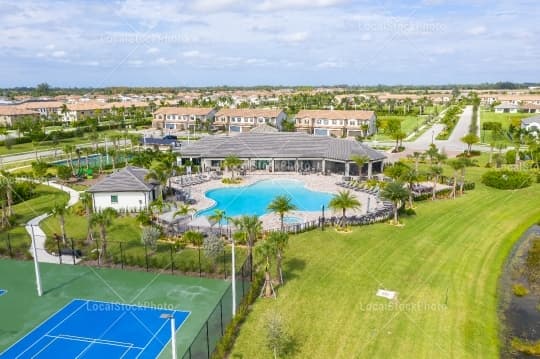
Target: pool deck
{"type": "Point", "coordinates": [314, 182]}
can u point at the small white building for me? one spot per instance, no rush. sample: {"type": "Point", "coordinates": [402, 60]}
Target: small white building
{"type": "Point", "coordinates": [506, 107]}
{"type": "Point", "coordinates": [531, 124]}
{"type": "Point", "coordinates": [125, 190]}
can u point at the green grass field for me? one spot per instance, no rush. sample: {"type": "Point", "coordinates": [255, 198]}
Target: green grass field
{"type": "Point", "coordinates": [45, 199]}
{"type": "Point", "coordinates": [408, 124]}
{"type": "Point", "coordinates": [505, 119]}
{"type": "Point", "coordinates": [444, 263]}
{"type": "Point", "coordinates": [22, 310]}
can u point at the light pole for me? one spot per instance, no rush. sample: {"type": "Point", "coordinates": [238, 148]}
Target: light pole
{"type": "Point", "coordinates": [36, 264]}
{"type": "Point", "coordinates": [173, 332]}
{"type": "Point", "coordinates": [432, 136]}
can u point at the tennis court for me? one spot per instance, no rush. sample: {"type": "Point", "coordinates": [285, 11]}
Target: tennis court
{"type": "Point", "coordinates": [2, 292]}
{"type": "Point", "coordinates": [95, 329]}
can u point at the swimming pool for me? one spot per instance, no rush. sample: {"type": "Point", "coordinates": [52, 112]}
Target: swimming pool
{"type": "Point", "coordinates": [254, 199]}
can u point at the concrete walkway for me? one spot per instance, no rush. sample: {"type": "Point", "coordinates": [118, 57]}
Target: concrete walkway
{"type": "Point", "coordinates": [38, 235]}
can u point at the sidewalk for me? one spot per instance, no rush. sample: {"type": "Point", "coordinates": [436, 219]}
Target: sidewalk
{"type": "Point", "coordinates": [38, 235]}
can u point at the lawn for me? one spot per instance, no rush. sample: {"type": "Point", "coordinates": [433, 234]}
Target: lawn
{"type": "Point", "coordinates": [22, 310]}
{"type": "Point", "coordinates": [487, 136]}
{"type": "Point", "coordinates": [44, 200]}
{"type": "Point", "coordinates": [444, 263]}
{"type": "Point", "coordinates": [408, 124]}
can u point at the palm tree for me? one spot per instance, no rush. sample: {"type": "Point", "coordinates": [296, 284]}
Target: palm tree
{"type": "Point", "coordinates": [60, 211]}
{"type": "Point", "coordinates": [281, 205]}
{"type": "Point", "coordinates": [360, 161]}
{"type": "Point", "coordinates": [88, 203]}
{"type": "Point", "coordinates": [103, 219]}
{"type": "Point", "coordinates": [397, 193]}
{"type": "Point", "coordinates": [252, 227]}
{"type": "Point", "coordinates": [218, 216]}
{"type": "Point", "coordinates": [68, 150]}
{"type": "Point", "coordinates": [159, 173]}
{"type": "Point", "coordinates": [470, 139]}
{"type": "Point", "coordinates": [410, 176]}
{"type": "Point", "coordinates": [266, 251]}
{"type": "Point", "coordinates": [7, 180]}
{"type": "Point", "coordinates": [231, 162]}
{"type": "Point", "coordinates": [184, 210]}
{"type": "Point", "coordinates": [344, 200]}
{"type": "Point", "coordinates": [456, 164]}
{"type": "Point", "coordinates": [78, 152]}
{"type": "Point", "coordinates": [279, 241]}
{"type": "Point", "coordinates": [435, 171]}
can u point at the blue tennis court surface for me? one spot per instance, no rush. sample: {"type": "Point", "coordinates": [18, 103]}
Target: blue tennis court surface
{"type": "Point", "coordinates": [2, 292]}
{"type": "Point", "coordinates": [92, 329]}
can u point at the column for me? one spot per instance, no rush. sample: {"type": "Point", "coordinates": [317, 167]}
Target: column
{"type": "Point", "coordinates": [296, 168]}
{"type": "Point", "coordinates": [324, 165]}
{"type": "Point", "coordinates": [369, 169]}
{"type": "Point", "coordinates": [347, 168]}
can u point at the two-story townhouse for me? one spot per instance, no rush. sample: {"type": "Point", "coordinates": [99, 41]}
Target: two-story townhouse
{"type": "Point", "coordinates": [46, 109]}
{"type": "Point", "coordinates": [336, 123]}
{"type": "Point", "coordinates": [244, 119]}
{"type": "Point", "coordinates": [10, 115]}
{"type": "Point", "coordinates": [182, 118]}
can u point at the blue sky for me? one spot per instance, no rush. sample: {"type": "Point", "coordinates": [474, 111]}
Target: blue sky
{"type": "Point", "coordinates": [268, 42]}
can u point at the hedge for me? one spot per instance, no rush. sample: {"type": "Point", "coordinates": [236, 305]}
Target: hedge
{"type": "Point", "coordinates": [507, 179]}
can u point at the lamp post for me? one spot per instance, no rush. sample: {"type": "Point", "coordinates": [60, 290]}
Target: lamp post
{"type": "Point", "coordinates": [432, 136]}
{"type": "Point", "coordinates": [322, 219]}
{"type": "Point", "coordinates": [36, 264]}
{"type": "Point", "coordinates": [173, 331]}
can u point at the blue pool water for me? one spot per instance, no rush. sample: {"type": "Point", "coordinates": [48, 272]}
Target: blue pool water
{"type": "Point", "coordinates": [254, 199]}
{"type": "Point", "coordinates": [292, 220]}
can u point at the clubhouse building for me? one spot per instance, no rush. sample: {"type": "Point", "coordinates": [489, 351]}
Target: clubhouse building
{"type": "Point", "coordinates": [284, 152]}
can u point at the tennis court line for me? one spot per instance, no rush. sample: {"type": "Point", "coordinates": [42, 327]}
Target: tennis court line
{"type": "Point", "coordinates": [100, 341]}
{"type": "Point", "coordinates": [44, 323]}
{"type": "Point", "coordinates": [155, 335]}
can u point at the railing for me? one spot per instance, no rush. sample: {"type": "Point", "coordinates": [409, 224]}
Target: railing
{"type": "Point", "coordinates": [205, 342]}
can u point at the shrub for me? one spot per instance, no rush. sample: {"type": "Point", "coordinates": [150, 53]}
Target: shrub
{"type": "Point", "coordinates": [231, 180]}
{"type": "Point", "coordinates": [507, 179]}
{"type": "Point", "coordinates": [530, 348]}
{"type": "Point", "coordinates": [520, 290]}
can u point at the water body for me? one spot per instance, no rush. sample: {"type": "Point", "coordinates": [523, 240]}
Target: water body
{"type": "Point", "coordinates": [520, 317]}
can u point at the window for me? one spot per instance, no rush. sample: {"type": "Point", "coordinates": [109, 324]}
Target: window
{"type": "Point", "coordinates": [319, 122]}
{"type": "Point", "coordinates": [326, 122]}
{"type": "Point", "coordinates": [114, 199]}
{"type": "Point", "coordinates": [334, 122]}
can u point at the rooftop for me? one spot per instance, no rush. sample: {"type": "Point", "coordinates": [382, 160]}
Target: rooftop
{"type": "Point", "coordinates": [335, 114]}
{"type": "Point", "coordinates": [279, 145]}
{"type": "Point", "coordinates": [248, 112]}
{"type": "Point", "coordinates": [128, 179]}
{"type": "Point", "coordinates": [197, 111]}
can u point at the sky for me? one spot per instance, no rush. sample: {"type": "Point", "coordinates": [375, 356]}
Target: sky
{"type": "Point", "coordinates": [270, 42]}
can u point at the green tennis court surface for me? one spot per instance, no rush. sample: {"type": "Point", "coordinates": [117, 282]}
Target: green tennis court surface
{"type": "Point", "coordinates": [25, 317]}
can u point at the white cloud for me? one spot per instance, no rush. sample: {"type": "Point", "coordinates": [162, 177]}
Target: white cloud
{"type": "Point", "coordinates": [50, 47]}
{"type": "Point", "coordinates": [477, 30]}
{"type": "Point", "coordinates": [58, 53]}
{"type": "Point", "coordinates": [444, 51]}
{"type": "Point", "coordinates": [152, 50]}
{"type": "Point", "coordinates": [330, 65]}
{"type": "Point", "coordinates": [296, 4]}
{"type": "Point", "coordinates": [294, 37]}
{"type": "Point", "coordinates": [214, 5]}
{"type": "Point", "coordinates": [164, 61]}
{"type": "Point", "coordinates": [365, 37]}
{"type": "Point", "coordinates": [192, 53]}
{"type": "Point", "coordinates": [135, 62]}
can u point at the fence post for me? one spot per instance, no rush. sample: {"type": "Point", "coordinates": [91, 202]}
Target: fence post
{"type": "Point", "coordinates": [200, 268]}
{"type": "Point", "coordinates": [9, 246]}
{"type": "Point", "coordinates": [224, 264]}
{"type": "Point", "coordinates": [98, 253]}
{"type": "Point", "coordinates": [59, 251]}
{"type": "Point", "coordinates": [207, 340]}
{"type": "Point", "coordinates": [172, 260]}
{"type": "Point", "coordinates": [73, 252]}
{"type": "Point", "coordinates": [242, 276]}
{"type": "Point", "coordinates": [121, 256]}
{"type": "Point", "coordinates": [221, 314]}
{"type": "Point", "coordinates": [146, 255]}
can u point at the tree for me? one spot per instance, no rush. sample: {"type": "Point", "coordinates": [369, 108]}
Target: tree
{"type": "Point", "coordinates": [213, 248]}
{"type": "Point", "coordinates": [161, 174]}
{"type": "Point", "coordinates": [43, 89]}
{"type": "Point", "coordinates": [435, 172]}
{"type": "Point", "coordinates": [63, 173]}
{"type": "Point", "coordinates": [88, 203]}
{"type": "Point", "coordinates": [432, 153]}
{"type": "Point", "coordinates": [39, 168]}
{"type": "Point", "coordinates": [196, 239]}
{"type": "Point", "coordinates": [231, 163]}
{"type": "Point", "coordinates": [470, 139]}
{"type": "Point", "coordinates": [279, 241]}
{"type": "Point", "coordinates": [218, 216]}
{"type": "Point", "coordinates": [281, 205]}
{"type": "Point", "coordinates": [150, 235]}
{"type": "Point", "coordinates": [266, 251]}
{"type": "Point", "coordinates": [277, 338]}
{"type": "Point", "coordinates": [410, 176]}
{"type": "Point", "coordinates": [397, 193]}
{"type": "Point", "coordinates": [360, 161]}
{"type": "Point", "coordinates": [7, 180]}
{"type": "Point", "coordinates": [344, 200]}
{"type": "Point", "coordinates": [252, 227]}
{"type": "Point", "coordinates": [60, 211]}
{"type": "Point", "coordinates": [68, 150]}
{"type": "Point", "coordinates": [103, 219]}
{"type": "Point", "coordinates": [456, 164]}
{"type": "Point", "coordinates": [184, 210]}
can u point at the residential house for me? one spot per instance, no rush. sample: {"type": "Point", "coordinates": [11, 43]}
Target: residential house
{"type": "Point", "coordinates": [336, 123]}
{"type": "Point", "coordinates": [181, 118]}
{"type": "Point", "coordinates": [46, 109]}
{"type": "Point", "coordinates": [529, 108]}
{"type": "Point", "coordinates": [244, 119]}
{"type": "Point", "coordinates": [506, 107]}
{"type": "Point", "coordinates": [531, 124]}
{"type": "Point", "coordinates": [10, 114]}
{"type": "Point", "coordinates": [126, 190]}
